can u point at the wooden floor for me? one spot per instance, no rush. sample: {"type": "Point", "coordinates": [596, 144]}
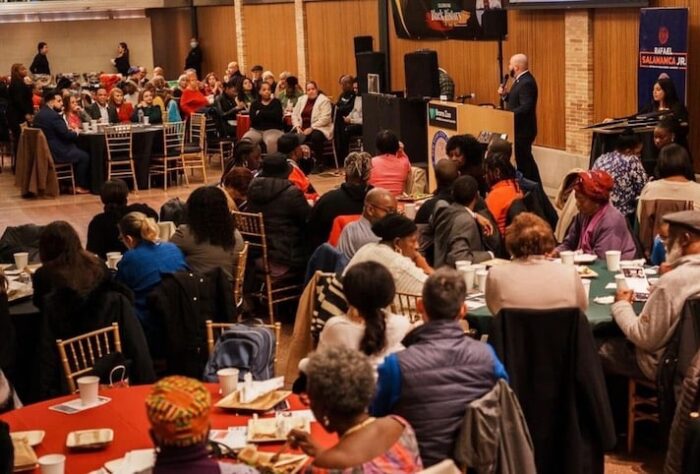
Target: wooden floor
{"type": "Point", "coordinates": [79, 210]}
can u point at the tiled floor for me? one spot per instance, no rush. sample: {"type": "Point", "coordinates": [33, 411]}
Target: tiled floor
{"type": "Point", "coordinates": [78, 210]}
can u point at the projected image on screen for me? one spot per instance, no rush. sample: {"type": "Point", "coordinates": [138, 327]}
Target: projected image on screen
{"type": "Point", "coordinates": [574, 3]}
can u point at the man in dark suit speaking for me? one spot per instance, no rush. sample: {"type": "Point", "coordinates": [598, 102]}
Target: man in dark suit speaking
{"type": "Point", "coordinates": [61, 139]}
{"type": "Point", "coordinates": [522, 101]}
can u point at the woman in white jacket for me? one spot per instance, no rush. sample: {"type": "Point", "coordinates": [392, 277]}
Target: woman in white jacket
{"type": "Point", "coordinates": [313, 117]}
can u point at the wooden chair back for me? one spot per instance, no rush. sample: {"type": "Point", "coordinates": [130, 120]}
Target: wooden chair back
{"type": "Point", "coordinates": [198, 129]}
{"type": "Point", "coordinates": [405, 304]}
{"type": "Point", "coordinates": [240, 276]}
{"type": "Point", "coordinates": [119, 140]}
{"type": "Point", "coordinates": [79, 354]}
{"type": "Point", "coordinates": [214, 331]}
{"type": "Point", "coordinates": [252, 228]}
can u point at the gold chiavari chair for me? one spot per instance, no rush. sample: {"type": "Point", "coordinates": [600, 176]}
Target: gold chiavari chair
{"type": "Point", "coordinates": [171, 159]}
{"type": "Point", "coordinates": [120, 159]}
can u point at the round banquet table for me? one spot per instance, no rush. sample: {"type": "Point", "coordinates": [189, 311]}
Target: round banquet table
{"type": "Point", "coordinates": [146, 140]}
{"type": "Point", "coordinates": [242, 125]}
{"type": "Point", "coordinates": [598, 314]}
{"type": "Point", "coordinates": [126, 415]}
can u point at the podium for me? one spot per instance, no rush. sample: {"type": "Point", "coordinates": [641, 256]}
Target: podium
{"type": "Point", "coordinates": [446, 119]}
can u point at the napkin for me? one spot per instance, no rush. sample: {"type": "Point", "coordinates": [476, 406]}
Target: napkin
{"type": "Point", "coordinates": [24, 455]}
{"type": "Point", "coordinates": [604, 299]}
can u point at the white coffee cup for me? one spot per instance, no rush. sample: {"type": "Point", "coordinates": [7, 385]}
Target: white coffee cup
{"type": "Point", "coordinates": [228, 380]}
{"type": "Point", "coordinates": [21, 260]}
{"type": "Point", "coordinates": [52, 464]}
{"type": "Point", "coordinates": [93, 123]}
{"type": "Point", "coordinates": [612, 257]}
{"type": "Point", "coordinates": [587, 286]}
{"type": "Point", "coordinates": [89, 387]}
{"type": "Point", "coordinates": [481, 279]}
{"type": "Point", "coordinates": [113, 259]}
{"type": "Point", "coordinates": [462, 264]}
{"type": "Point", "coordinates": [409, 210]}
{"type": "Point", "coordinates": [146, 120]}
{"type": "Point", "coordinates": [567, 257]}
{"type": "Point", "coordinates": [468, 273]}
{"type": "Point", "coordinates": [620, 282]}
{"type": "Point", "coordinates": [86, 127]}
{"type": "Point", "coordinates": [479, 266]}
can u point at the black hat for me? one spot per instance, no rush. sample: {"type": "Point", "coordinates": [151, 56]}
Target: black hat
{"type": "Point", "coordinates": [393, 226]}
{"type": "Point", "coordinates": [275, 165]}
{"type": "Point", "coordinates": [288, 142]}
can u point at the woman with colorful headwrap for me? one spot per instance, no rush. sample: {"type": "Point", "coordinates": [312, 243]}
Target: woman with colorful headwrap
{"type": "Point", "coordinates": [178, 410]}
{"type": "Point", "coordinates": [398, 252]}
{"type": "Point", "coordinates": [598, 227]}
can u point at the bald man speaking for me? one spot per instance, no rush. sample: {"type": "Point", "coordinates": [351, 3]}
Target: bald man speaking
{"type": "Point", "coordinates": [522, 101]}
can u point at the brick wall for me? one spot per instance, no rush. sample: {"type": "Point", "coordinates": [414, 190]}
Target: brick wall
{"type": "Point", "coordinates": [578, 80]}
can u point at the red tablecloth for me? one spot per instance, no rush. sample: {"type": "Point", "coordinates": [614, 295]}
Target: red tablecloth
{"type": "Point", "coordinates": [126, 415]}
{"type": "Point", "coordinates": [242, 125]}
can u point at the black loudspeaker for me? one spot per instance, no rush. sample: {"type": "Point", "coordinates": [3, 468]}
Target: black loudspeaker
{"type": "Point", "coordinates": [363, 44]}
{"type": "Point", "coordinates": [370, 63]}
{"type": "Point", "coordinates": [422, 78]}
{"type": "Point", "coordinates": [494, 23]}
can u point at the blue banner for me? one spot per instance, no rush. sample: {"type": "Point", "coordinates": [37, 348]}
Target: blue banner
{"type": "Point", "coordinates": [663, 51]}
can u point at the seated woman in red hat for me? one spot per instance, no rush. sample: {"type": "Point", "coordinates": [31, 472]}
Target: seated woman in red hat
{"type": "Point", "coordinates": [598, 227]}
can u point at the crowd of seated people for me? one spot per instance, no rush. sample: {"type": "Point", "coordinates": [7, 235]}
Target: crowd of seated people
{"type": "Point", "coordinates": [370, 361]}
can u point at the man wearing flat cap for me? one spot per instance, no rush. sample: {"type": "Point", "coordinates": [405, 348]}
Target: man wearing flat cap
{"type": "Point", "coordinates": [647, 335]}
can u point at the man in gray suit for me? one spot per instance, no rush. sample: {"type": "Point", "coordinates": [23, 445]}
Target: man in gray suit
{"type": "Point", "coordinates": [459, 232]}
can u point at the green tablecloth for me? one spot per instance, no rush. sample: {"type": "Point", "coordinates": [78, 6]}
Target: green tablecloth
{"type": "Point", "coordinates": [481, 319]}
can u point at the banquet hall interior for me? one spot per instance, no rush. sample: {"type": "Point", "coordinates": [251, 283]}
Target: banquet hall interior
{"type": "Point", "coordinates": [349, 236]}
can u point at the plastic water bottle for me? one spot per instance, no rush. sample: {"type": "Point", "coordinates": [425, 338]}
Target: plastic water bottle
{"type": "Point", "coordinates": [139, 114]}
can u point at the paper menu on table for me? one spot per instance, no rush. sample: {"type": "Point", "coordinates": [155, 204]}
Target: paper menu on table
{"type": "Point", "coordinates": [636, 280]}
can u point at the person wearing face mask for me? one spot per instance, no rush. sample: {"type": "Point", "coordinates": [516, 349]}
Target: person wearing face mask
{"type": "Point", "coordinates": [646, 335]}
{"type": "Point", "coordinates": [194, 57]}
{"type": "Point", "coordinates": [522, 101]}
{"type": "Point", "coordinates": [61, 139]}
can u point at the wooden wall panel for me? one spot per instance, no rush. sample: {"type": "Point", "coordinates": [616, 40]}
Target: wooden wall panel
{"type": "Point", "coordinates": [474, 67]}
{"type": "Point", "coordinates": [217, 36]}
{"type": "Point", "coordinates": [171, 29]}
{"type": "Point", "coordinates": [615, 47]}
{"type": "Point", "coordinates": [270, 36]}
{"type": "Point", "coordinates": [616, 39]}
{"type": "Point", "coordinates": [331, 28]}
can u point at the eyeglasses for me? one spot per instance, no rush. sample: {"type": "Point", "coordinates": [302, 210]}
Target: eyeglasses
{"type": "Point", "coordinates": [388, 210]}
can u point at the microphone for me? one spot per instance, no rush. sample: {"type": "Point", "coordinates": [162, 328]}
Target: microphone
{"type": "Point", "coordinates": [506, 77]}
{"type": "Point", "coordinates": [464, 97]}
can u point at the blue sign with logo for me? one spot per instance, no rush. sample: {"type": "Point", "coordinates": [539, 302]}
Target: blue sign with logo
{"type": "Point", "coordinates": [663, 51]}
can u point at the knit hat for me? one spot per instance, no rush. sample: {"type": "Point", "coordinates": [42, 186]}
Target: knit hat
{"type": "Point", "coordinates": [394, 226]}
{"type": "Point", "coordinates": [178, 409]}
{"type": "Point", "coordinates": [594, 184]}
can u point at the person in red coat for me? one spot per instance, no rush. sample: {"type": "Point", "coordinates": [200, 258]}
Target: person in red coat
{"type": "Point", "coordinates": [192, 98]}
{"type": "Point", "coordinates": [124, 109]}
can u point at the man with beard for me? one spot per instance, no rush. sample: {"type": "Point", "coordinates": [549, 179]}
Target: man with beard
{"type": "Point", "coordinates": [638, 355]}
{"type": "Point", "coordinates": [61, 139]}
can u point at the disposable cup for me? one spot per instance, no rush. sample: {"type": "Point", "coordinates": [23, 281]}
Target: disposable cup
{"type": "Point", "coordinates": [567, 257]}
{"type": "Point", "coordinates": [409, 210]}
{"type": "Point", "coordinates": [228, 380]}
{"type": "Point", "coordinates": [468, 273]}
{"type": "Point", "coordinates": [587, 286]}
{"type": "Point", "coordinates": [21, 260]}
{"type": "Point", "coordinates": [481, 279]}
{"type": "Point", "coordinates": [146, 120]}
{"type": "Point", "coordinates": [462, 263]}
{"type": "Point", "coordinates": [478, 266]}
{"type": "Point", "coordinates": [620, 282]}
{"type": "Point", "coordinates": [113, 259]}
{"type": "Point", "coordinates": [89, 387]}
{"type": "Point", "coordinates": [52, 464]}
{"type": "Point", "coordinates": [612, 257]}
{"type": "Point", "coordinates": [86, 127]}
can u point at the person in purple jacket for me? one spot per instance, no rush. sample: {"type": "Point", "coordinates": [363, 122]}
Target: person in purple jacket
{"type": "Point", "coordinates": [598, 227]}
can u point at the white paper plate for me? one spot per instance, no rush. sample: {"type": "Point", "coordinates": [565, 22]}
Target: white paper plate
{"type": "Point", "coordinates": [34, 437]}
{"type": "Point", "coordinates": [585, 258]}
{"type": "Point", "coordinates": [135, 461]}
